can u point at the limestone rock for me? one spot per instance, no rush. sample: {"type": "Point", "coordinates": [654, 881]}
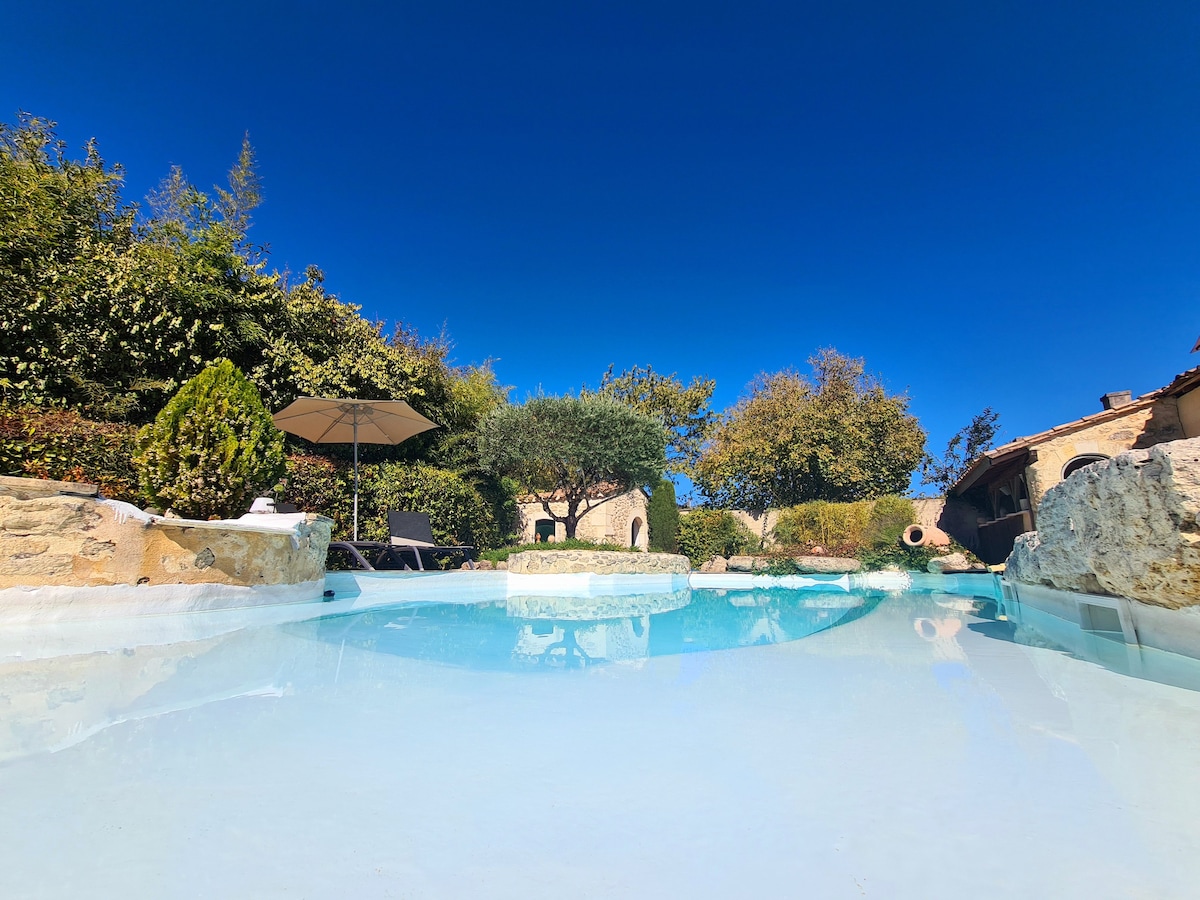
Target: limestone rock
{"type": "Point", "coordinates": [599, 562]}
{"type": "Point", "coordinates": [826, 565]}
{"type": "Point", "coordinates": [951, 562]}
{"type": "Point", "coordinates": [716, 565]}
{"type": "Point", "coordinates": [1126, 527]}
{"type": "Point", "coordinates": [746, 564]}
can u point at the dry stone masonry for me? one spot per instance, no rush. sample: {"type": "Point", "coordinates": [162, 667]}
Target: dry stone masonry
{"type": "Point", "coordinates": [599, 562]}
{"type": "Point", "coordinates": [50, 538]}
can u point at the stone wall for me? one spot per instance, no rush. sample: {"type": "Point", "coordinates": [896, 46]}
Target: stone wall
{"type": "Point", "coordinates": [1125, 528]}
{"type": "Point", "coordinates": [56, 540]}
{"type": "Point", "coordinates": [599, 562]}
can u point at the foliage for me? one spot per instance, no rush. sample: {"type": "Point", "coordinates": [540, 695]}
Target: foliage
{"type": "Point", "coordinates": [501, 554]}
{"type": "Point", "coordinates": [63, 445]}
{"type": "Point", "coordinates": [101, 313]}
{"type": "Point", "coordinates": [684, 411]}
{"type": "Point", "coordinates": [963, 449]}
{"type": "Point", "coordinates": [844, 527]}
{"type": "Point", "coordinates": [897, 556]}
{"type": "Point", "coordinates": [458, 515]}
{"type": "Point", "coordinates": [889, 517]}
{"type": "Point", "coordinates": [581, 450]}
{"type": "Point", "coordinates": [320, 485]}
{"type": "Point", "coordinates": [662, 518]}
{"type": "Point", "coordinates": [109, 314]}
{"type": "Point", "coordinates": [837, 436]}
{"type": "Point", "coordinates": [819, 522]}
{"type": "Point", "coordinates": [705, 533]}
{"type": "Point", "coordinates": [212, 449]}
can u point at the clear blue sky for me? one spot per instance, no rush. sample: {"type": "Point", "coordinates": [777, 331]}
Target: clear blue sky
{"type": "Point", "coordinates": [993, 203]}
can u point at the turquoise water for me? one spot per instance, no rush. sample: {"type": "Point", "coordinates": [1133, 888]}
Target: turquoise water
{"type": "Point", "coordinates": [824, 743]}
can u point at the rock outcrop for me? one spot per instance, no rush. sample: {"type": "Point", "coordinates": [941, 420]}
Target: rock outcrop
{"type": "Point", "coordinates": [1127, 527]}
{"type": "Point", "coordinates": [598, 562]}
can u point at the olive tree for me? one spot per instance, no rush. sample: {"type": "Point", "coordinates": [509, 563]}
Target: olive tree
{"type": "Point", "coordinates": [581, 451]}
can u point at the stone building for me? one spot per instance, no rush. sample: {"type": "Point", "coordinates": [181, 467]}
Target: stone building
{"type": "Point", "coordinates": [998, 496]}
{"type": "Point", "coordinates": [617, 520]}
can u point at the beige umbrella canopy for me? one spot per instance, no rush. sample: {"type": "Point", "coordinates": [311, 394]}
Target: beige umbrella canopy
{"type": "Point", "coordinates": [325, 420]}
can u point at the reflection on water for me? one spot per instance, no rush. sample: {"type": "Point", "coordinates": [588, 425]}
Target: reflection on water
{"type": "Point", "coordinates": [526, 632]}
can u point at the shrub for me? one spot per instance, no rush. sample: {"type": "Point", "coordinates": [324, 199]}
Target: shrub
{"type": "Point", "coordinates": [63, 445]}
{"type": "Point", "coordinates": [889, 517]}
{"type": "Point", "coordinates": [212, 449]}
{"type": "Point", "coordinates": [831, 525]}
{"type": "Point", "coordinates": [458, 514]}
{"type": "Point", "coordinates": [705, 533]}
{"type": "Point", "coordinates": [662, 518]}
{"type": "Point", "coordinates": [321, 485]}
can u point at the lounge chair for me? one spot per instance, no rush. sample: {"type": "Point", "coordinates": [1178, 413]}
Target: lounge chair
{"type": "Point", "coordinates": [409, 545]}
{"type": "Point", "coordinates": [411, 531]}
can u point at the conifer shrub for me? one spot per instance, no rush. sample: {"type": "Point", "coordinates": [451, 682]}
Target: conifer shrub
{"type": "Point", "coordinates": [705, 533]}
{"type": "Point", "coordinates": [662, 518]}
{"type": "Point", "coordinates": [212, 449]}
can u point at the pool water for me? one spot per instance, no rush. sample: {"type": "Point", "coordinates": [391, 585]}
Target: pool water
{"type": "Point", "coordinates": [816, 743]}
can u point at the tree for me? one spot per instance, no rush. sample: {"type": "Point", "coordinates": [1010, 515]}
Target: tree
{"type": "Point", "coordinates": [212, 449]}
{"type": "Point", "coordinates": [662, 518]}
{"type": "Point", "coordinates": [582, 451]}
{"type": "Point", "coordinates": [684, 411]}
{"type": "Point", "coordinates": [836, 436]}
{"type": "Point", "coordinates": [963, 449]}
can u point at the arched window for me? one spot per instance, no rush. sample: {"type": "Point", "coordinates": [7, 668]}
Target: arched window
{"type": "Point", "coordinates": [543, 531]}
{"type": "Point", "coordinates": [1086, 459]}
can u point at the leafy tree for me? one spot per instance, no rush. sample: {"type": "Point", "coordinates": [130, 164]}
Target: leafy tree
{"type": "Point", "coordinates": [580, 450]}
{"type": "Point", "coordinates": [212, 449]}
{"type": "Point", "coordinates": [836, 436]}
{"type": "Point", "coordinates": [683, 410]}
{"type": "Point", "coordinates": [662, 517]}
{"type": "Point", "coordinates": [105, 315]}
{"type": "Point", "coordinates": [961, 450]}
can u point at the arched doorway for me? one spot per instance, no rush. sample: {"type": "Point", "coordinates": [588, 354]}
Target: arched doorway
{"type": "Point", "coordinates": [635, 532]}
{"type": "Point", "coordinates": [543, 531]}
{"type": "Point", "coordinates": [1077, 463]}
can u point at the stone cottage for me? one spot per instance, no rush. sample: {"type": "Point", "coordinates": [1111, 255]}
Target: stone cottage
{"type": "Point", "coordinates": [998, 496]}
{"type": "Point", "coordinates": [620, 519]}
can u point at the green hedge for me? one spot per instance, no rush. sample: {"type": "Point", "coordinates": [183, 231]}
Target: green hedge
{"type": "Point", "coordinates": [705, 533]}
{"type": "Point", "coordinates": [458, 513]}
{"type": "Point", "coordinates": [319, 484]}
{"type": "Point", "coordinates": [63, 445]}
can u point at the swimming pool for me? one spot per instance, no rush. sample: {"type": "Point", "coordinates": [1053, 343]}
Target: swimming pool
{"type": "Point", "coordinates": [826, 742]}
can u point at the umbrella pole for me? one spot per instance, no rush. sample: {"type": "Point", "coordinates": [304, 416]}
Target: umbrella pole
{"type": "Point", "coordinates": [356, 476]}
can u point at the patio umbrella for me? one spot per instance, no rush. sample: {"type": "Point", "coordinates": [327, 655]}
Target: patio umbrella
{"type": "Point", "coordinates": [325, 420]}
